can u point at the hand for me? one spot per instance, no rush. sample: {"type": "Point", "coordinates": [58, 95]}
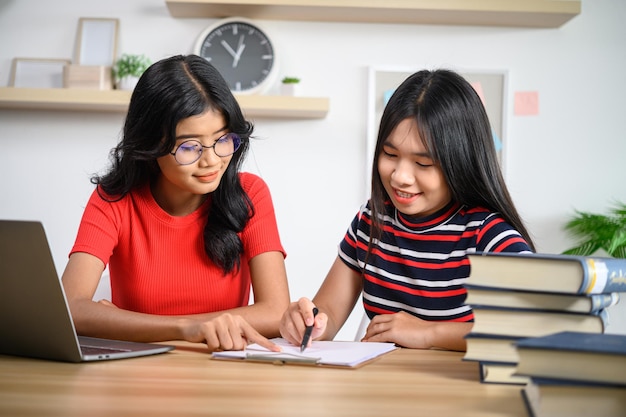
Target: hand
{"type": "Point", "coordinates": [297, 317]}
{"type": "Point", "coordinates": [400, 328]}
{"type": "Point", "coordinates": [227, 332]}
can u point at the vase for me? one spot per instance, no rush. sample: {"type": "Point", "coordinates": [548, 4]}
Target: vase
{"type": "Point", "coordinates": [127, 83]}
{"type": "Point", "coordinates": [288, 89]}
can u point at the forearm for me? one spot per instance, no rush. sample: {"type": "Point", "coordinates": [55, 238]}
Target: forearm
{"type": "Point", "coordinates": [100, 320]}
{"type": "Point", "coordinates": [449, 335]}
{"type": "Point", "coordinates": [264, 317]}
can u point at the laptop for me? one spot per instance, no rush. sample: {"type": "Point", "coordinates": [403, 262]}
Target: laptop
{"type": "Point", "coordinates": [35, 319]}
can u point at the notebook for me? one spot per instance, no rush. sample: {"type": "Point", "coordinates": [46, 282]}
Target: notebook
{"type": "Point", "coordinates": [35, 319]}
{"type": "Point", "coordinates": [342, 354]}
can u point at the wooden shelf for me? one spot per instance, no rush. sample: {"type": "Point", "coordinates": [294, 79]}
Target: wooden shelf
{"type": "Point", "coordinates": [117, 101]}
{"type": "Point", "coordinates": [516, 13]}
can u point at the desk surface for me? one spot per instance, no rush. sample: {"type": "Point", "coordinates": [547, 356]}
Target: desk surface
{"type": "Point", "coordinates": [187, 382]}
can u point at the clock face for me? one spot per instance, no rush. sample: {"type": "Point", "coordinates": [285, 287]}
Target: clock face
{"type": "Point", "coordinates": [241, 52]}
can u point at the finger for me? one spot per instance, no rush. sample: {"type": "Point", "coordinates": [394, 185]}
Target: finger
{"type": "Point", "coordinates": [321, 320]}
{"type": "Point", "coordinates": [228, 329]}
{"type": "Point", "coordinates": [305, 307]}
{"type": "Point", "coordinates": [255, 337]}
{"type": "Point", "coordinates": [210, 337]}
{"type": "Point", "coordinates": [237, 334]}
{"type": "Point", "coordinates": [375, 328]}
{"type": "Point", "coordinates": [295, 328]}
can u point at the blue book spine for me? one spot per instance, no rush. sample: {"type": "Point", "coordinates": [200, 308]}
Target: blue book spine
{"type": "Point", "coordinates": [602, 301]}
{"type": "Point", "coordinates": [603, 275]}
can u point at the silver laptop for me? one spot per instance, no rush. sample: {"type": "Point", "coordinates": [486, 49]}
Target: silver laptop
{"type": "Point", "coordinates": [35, 320]}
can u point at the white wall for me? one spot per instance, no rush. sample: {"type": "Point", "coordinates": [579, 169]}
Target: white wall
{"type": "Point", "coordinates": [569, 157]}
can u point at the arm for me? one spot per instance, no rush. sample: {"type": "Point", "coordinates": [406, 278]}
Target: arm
{"type": "Point", "coordinates": [335, 300]}
{"type": "Point", "coordinates": [409, 331]}
{"type": "Point", "coordinates": [102, 319]}
{"type": "Point", "coordinates": [271, 295]}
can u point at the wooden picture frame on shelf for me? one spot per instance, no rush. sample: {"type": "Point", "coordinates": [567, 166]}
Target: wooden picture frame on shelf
{"type": "Point", "coordinates": [96, 41]}
{"type": "Point", "coordinates": [37, 72]}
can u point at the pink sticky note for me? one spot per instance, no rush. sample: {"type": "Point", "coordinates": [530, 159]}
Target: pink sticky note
{"type": "Point", "coordinates": [479, 90]}
{"type": "Point", "coordinates": [526, 103]}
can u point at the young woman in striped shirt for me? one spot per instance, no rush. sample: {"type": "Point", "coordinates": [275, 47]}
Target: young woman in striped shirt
{"type": "Point", "coordinates": [437, 194]}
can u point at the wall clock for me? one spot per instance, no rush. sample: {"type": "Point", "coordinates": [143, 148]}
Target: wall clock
{"type": "Point", "coordinates": [242, 52]}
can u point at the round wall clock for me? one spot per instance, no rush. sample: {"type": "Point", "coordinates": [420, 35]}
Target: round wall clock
{"type": "Point", "coordinates": [241, 52]}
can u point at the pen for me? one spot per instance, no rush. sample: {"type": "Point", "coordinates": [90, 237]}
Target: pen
{"type": "Point", "coordinates": [307, 332]}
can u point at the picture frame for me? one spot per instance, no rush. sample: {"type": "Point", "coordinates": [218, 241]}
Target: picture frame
{"type": "Point", "coordinates": [491, 86]}
{"type": "Point", "coordinates": [96, 41]}
{"type": "Point", "coordinates": [37, 72]}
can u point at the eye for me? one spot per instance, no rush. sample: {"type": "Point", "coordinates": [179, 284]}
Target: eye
{"type": "Point", "coordinates": [225, 138]}
{"type": "Point", "coordinates": [388, 152]}
{"type": "Point", "coordinates": [190, 146]}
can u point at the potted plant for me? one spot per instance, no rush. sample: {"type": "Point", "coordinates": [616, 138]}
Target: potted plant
{"type": "Point", "coordinates": [127, 70]}
{"type": "Point", "coordinates": [288, 86]}
{"type": "Point", "coordinates": [599, 232]}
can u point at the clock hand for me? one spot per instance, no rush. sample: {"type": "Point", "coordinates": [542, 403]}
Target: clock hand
{"type": "Point", "coordinates": [240, 49]}
{"type": "Point", "coordinates": [228, 48]}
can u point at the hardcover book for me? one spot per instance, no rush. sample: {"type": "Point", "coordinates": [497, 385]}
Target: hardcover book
{"type": "Point", "coordinates": [533, 323]}
{"type": "Point", "coordinates": [575, 356]}
{"type": "Point", "coordinates": [501, 373]}
{"type": "Point", "coordinates": [567, 274]}
{"type": "Point", "coordinates": [555, 398]}
{"type": "Point", "coordinates": [497, 297]}
{"type": "Point", "coordinates": [490, 348]}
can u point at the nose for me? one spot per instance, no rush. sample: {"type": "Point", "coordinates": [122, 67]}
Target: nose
{"type": "Point", "coordinates": [403, 173]}
{"type": "Point", "coordinates": [208, 156]}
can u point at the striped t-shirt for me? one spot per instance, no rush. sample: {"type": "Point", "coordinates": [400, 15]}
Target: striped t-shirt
{"type": "Point", "coordinates": [420, 264]}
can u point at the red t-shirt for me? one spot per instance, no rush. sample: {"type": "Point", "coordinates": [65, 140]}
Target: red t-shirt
{"type": "Point", "coordinates": [157, 262]}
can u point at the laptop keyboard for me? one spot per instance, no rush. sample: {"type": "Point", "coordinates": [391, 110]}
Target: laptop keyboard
{"type": "Point", "coordinates": [96, 350]}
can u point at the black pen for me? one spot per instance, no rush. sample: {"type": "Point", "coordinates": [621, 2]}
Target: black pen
{"type": "Point", "coordinates": [307, 332]}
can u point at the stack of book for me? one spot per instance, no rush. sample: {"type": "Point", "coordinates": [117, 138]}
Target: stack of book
{"type": "Point", "coordinates": [574, 374]}
{"type": "Point", "coordinates": [517, 296]}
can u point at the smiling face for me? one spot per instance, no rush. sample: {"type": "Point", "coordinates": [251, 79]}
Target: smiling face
{"type": "Point", "coordinates": [412, 180]}
{"type": "Point", "coordinates": [181, 188]}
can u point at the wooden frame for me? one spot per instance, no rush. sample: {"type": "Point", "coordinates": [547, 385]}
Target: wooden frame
{"type": "Point", "coordinates": [37, 73]}
{"type": "Point", "coordinates": [491, 86]}
{"type": "Point", "coordinates": [96, 42]}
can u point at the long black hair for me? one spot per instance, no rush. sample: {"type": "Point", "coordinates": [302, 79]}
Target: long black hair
{"type": "Point", "coordinates": [169, 91]}
{"type": "Point", "coordinates": [453, 123]}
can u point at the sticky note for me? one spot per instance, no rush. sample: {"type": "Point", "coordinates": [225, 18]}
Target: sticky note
{"type": "Point", "coordinates": [526, 103]}
{"type": "Point", "coordinates": [479, 90]}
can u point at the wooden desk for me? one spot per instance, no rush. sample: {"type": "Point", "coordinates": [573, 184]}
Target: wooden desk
{"type": "Point", "coordinates": [187, 382]}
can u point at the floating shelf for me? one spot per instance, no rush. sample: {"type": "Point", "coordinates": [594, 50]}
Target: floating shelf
{"type": "Point", "coordinates": [117, 101]}
{"type": "Point", "coordinates": [515, 13]}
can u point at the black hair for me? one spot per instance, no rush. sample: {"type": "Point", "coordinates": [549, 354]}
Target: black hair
{"type": "Point", "coordinates": [169, 91]}
{"type": "Point", "coordinates": [453, 123]}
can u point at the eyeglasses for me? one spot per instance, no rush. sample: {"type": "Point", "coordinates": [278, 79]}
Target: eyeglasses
{"type": "Point", "coordinates": [190, 151]}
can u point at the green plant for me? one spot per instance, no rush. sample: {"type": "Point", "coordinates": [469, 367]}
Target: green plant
{"type": "Point", "coordinates": [599, 232]}
{"type": "Point", "coordinates": [130, 65]}
{"type": "Point", "coordinates": [290, 80]}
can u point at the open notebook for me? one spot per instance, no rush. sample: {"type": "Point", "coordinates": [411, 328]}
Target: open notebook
{"type": "Point", "coordinates": [326, 353]}
{"type": "Point", "coordinates": [35, 320]}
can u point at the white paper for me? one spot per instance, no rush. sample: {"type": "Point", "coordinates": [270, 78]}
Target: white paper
{"type": "Point", "coordinates": [337, 353]}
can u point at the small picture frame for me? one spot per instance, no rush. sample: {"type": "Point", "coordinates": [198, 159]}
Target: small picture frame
{"type": "Point", "coordinates": [96, 43]}
{"type": "Point", "coordinates": [37, 72]}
